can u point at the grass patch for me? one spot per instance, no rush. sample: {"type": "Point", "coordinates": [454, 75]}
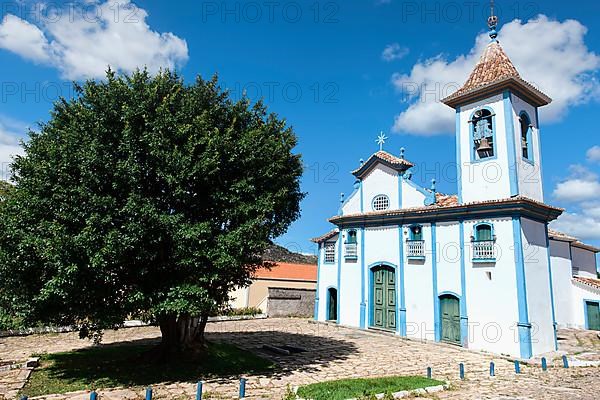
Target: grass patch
{"type": "Point", "coordinates": [351, 388]}
{"type": "Point", "coordinates": [109, 366]}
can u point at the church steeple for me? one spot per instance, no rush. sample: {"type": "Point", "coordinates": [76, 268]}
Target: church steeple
{"type": "Point", "coordinates": [495, 73]}
{"type": "Point", "coordinates": [497, 128]}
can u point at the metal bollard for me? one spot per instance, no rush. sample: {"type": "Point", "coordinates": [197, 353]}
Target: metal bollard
{"type": "Point", "coordinates": [461, 370]}
{"type": "Point", "coordinates": [93, 395]}
{"type": "Point", "coordinates": [492, 369]}
{"type": "Point", "coordinates": [429, 372]}
{"type": "Point", "coordinates": [148, 393]}
{"type": "Point", "coordinates": [544, 364]}
{"type": "Point", "coordinates": [199, 391]}
{"type": "Point", "coordinates": [565, 362]}
{"type": "Point", "coordinates": [242, 388]}
{"type": "Point", "coordinates": [517, 367]}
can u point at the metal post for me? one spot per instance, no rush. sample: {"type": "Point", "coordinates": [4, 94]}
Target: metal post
{"type": "Point", "coordinates": [242, 388]}
{"type": "Point", "coordinates": [492, 369]}
{"type": "Point", "coordinates": [148, 393]}
{"type": "Point", "coordinates": [429, 372]}
{"type": "Point", "coordinates": [517, 367]}
{"type": "Point", "coordinates": [565, 362]}
{"type": "Point", "coordinates": [23, 397]}
{"type": "Point", "coordinates": [94, 395]}
{"type": "Point", "coordinates": [199, 391]}
{"type": "Point", "coordinates": [461, 370]}
{"type": "Point", "coordinates": [544, 364]}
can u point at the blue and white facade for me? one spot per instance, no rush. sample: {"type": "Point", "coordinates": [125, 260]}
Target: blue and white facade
{"type": "Point", "coordinates": [479, 269]}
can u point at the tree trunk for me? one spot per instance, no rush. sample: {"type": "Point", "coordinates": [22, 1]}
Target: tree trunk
{"type": "Point", "coordinates": [181, 336]}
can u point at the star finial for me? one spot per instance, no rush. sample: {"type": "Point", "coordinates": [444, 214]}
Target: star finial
{"type": "Point", "coordinates": [381, 140]}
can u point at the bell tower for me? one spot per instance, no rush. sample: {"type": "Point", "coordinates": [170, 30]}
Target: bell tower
{"type": "Point", "coordinates": [497, 129]}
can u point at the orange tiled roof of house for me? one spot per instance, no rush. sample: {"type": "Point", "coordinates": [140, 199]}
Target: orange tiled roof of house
{"type": "Point", "coordinates": [595, 283]}
{"type": "Point", "coordinates": [287, 271]}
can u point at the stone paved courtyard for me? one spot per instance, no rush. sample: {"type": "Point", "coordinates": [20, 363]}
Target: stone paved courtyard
{"type": "Point", "coordinates": [336, 352]}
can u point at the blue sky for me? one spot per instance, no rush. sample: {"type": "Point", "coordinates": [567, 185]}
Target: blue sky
{"type": "Point", "coordinates": [339, 71]}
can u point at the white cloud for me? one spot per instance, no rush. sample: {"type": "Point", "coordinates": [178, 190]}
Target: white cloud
{"type": "Point", "coordinates": [81, 46]}
{"type": "Point", "coordinates": [10, 131]}
{"type": "Point", "coordinates": [593, 154]}
{"type": "Point", "coordinates": [394, 52]}
{"type": "Point", "coordinates": [581, 185]}
{"type": "Point", "coordinates": [583, 226]}
{"type": "Point", "coordinates": [551, 55]}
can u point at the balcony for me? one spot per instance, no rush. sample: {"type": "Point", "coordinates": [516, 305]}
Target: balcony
{"type": "Point", "coordinates": [415, 249]}
{"type": "Point", "coordinates": [350, 251]}
{"type": "Point", "coordinates": [484, 251]}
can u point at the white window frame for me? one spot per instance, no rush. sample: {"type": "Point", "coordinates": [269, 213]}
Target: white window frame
{"type": "Point", "coordinates": [329, 253]}
{"type": "Point", "coordinates": [380, 199]}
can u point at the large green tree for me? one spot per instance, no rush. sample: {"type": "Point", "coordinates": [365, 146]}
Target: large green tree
{"type": "Point", "coordinates": [145, 196]}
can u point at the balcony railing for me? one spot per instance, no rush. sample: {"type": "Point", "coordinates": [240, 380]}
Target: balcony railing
{"type": "Point", "coordinates": [484, 251]}
{"type": "Point", "coordinates": [415, 249]}
{"type": "Point", "coordinates": [351, 251]}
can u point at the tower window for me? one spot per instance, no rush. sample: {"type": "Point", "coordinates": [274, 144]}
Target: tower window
{"type": "Point", "coordinates": [329, 253]}
{"type": "Point", "coordinates": [484, 246]}
{"type": "Point", "coordinates": [482, 125]}
{"type": "Point", "coordinates": [526, 137]}
{"type": "Point", "coordinates": [381, 203]}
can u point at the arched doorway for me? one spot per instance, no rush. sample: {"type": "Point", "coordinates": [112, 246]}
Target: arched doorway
{"type": "Point", "coordinates": [450, 316]}
{"type": "Point", "coordinates": [383, 295]}
{"type": "Point", "coordinates": [332, 306]}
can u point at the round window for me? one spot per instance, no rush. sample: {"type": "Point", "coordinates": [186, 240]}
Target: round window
{"type": "Point", "coordinates": [381, 203]}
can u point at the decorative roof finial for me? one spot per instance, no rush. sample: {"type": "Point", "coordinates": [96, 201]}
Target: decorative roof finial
{"type": "Point", "coordinates": [402, 153]}
{"type": "Point", "coordinates": [493, 22]}
{"type": "Point", "coordinates": [361, 162]}
{"type": "Point", "coordinates": [381, 140]}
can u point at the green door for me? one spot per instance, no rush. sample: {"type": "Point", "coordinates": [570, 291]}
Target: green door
{"type": "Point", "coordinates": [384, 298]}
{"type": "Point", "coordinates": [332, 305]}
{"type": "Point", "coordinates": [593, 315]}
{"type": "Point", "coordinates": [449, 307]}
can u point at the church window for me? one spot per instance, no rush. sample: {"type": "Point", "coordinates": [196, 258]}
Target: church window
{"type": "Point", "coordinates": [482, 125]}
{"type": "Point", "coordinates": [415, 246]}
{"type": "Point", "coordinates": [351, 246]}
{"type": "Point", "coordinates": [381, 203]}
{"type": "Point", "coordinates": [416, 232]}
{"type": "Point", "coordinates": [526, 137]}
{"type": "Point", "coordinates": [484, 246]}
{"type": "Point", "coordinates": [329, 253]}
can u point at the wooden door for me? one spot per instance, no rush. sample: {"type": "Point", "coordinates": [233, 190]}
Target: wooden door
{"type": "Point", "coordinates": [384, 298]}
{"type": "Point", "coordinates": [593, 315]}
{"type": "Point", "coordinates": [450, 310]}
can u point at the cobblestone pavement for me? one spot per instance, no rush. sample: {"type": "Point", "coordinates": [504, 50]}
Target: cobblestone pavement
{"type": "Point", "coordinates": [336, 352]}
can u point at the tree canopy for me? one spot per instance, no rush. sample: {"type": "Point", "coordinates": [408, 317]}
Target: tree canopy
{"type": "Point", "coordinates": [144, 196]}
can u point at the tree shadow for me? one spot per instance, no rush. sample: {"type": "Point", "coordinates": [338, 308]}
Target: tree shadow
{"type": "Point", "coordinates": [229, 356]}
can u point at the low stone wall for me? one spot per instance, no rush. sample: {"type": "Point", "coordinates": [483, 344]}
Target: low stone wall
{"type": "Point", "coordinates": [288, 302]}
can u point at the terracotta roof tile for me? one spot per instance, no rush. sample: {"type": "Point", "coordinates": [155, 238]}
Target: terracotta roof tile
{"type": "Point", "coordinates": [444, 200]}
{"type": "Point", "coordinates": [388, 159]}
{"type": "Point", "coordinates": [595, 283]}
{"type": "Point", "coordinates": [287, 271]}
{"type": "Point", "coordinates": [495, 68]}
{"type": "Point", "coordinates": [560, 236]}
{"type": "Point", "coordinates": [325, 237]}
{"type": "Point", "coordinates": [449, 202]}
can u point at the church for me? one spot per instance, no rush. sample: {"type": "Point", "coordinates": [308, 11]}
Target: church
{"type": "Point", "coordinates": [479, 269]}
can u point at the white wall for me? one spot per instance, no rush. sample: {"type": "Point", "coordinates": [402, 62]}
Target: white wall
{"type": "Point", "coordinates": [581, 293]}
{"type": "Point", "coordinates": [418, 286]}
{"type": "Point", "coordinates": [448, 257]}
{"type": "Point", "coordinates": [352, 204]}
{"type": "Point", "coordinates": [529, 176]}
{"type": "Point", "coordinates": [327, 278]}
{"type": "Point", "coordinates": [585, 260]}
{"type": "Point", "coordinates": [492, 306]}
{"type": "Point", "coordinates": [381, 180]}
{"type": "Point", "coordinates": [538, 285]}
{"type": "Point", "coordinates": [560, 259]}
{"type": "Point", "coordinates": [411, 197]}
{"type": "Point", "coordinates": [484, 180]}
{"type": "Point", "coordinates": [350, 286]}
